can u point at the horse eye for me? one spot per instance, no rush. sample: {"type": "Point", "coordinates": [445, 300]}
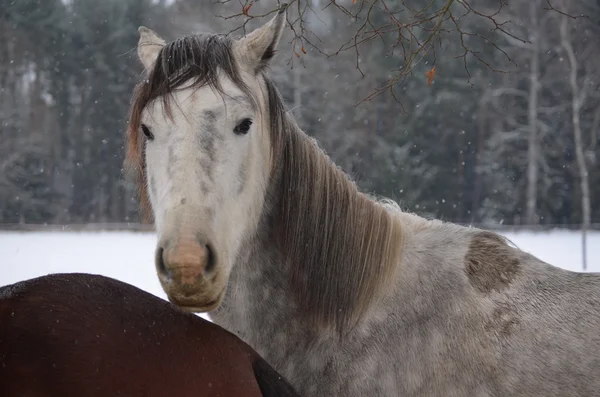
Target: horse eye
{"type": "Point", "coordinates": [243, 127]}
{"type": "Point", "coordinates": [147, 132]}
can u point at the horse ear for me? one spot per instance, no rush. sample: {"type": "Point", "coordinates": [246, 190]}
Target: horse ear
{"type": "Point", "coordinates": [258, 48]}
{"type": "Point", "coordinates": [149, 46]}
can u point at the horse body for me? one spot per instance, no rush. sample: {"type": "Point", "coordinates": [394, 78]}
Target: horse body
{"type": "Point", "coordinates": [342, 293]}
{"type": "Point", "coordinates": [444, 331]}
{"type": "Point", "coordinates": [84, 335]}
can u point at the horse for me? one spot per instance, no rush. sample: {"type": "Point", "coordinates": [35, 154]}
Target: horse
{"type": "Point", "coordinates": [343, 292]}
{"type": "Point", "coordinates": [74, 334]}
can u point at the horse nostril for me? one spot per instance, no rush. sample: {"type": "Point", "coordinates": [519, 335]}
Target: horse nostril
{"type": "Point", "coordinates": [210, 260]}
{"type": "Point", "coordinates": [160, 263]}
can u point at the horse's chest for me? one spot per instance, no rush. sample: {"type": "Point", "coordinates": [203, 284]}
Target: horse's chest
{"type": "Point", "coordinates": [260, 311]}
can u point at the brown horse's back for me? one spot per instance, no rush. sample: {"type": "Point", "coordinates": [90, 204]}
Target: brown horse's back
{"type": "Point", "coordinates": [83, 335]}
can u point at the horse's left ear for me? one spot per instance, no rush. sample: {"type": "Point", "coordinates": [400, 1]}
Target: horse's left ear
{"type": "Point", "coordinates": [256, 49]}
{"type": "Point", "coordinates": [149, 45]}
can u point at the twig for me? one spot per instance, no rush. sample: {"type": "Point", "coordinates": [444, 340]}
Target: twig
{"type": "Point", "coordinates": [414, 31]}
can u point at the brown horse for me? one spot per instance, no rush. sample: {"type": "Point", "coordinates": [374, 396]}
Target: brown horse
{"type": "Point", "coordinates": [87, 335]}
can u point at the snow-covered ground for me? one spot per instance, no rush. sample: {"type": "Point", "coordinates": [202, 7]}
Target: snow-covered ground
{"type": "Point", "coordinates": [122, 255]}
{"type": "Point", "coordinates": [129, 256]}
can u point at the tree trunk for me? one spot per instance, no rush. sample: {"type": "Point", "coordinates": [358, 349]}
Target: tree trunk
{"type": "Point", "coordinates": [482, 125]}
{"type": "Point", "coordinates": [534, 86]}
{"type": "Point", "coordinates": [297, 92]}
{"type": "Point", "coordinates": [576, 102]}
{"type": "Point", "coordinates": [594, 133]}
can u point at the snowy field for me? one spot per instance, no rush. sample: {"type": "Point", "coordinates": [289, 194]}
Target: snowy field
{"type": "Point", "coordinates": [129, 256]}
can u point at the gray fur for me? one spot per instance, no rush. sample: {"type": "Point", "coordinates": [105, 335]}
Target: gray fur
{"type": "Point", "coordinates": [242, 178]}
{"type": "Point", "coordinates": [204, 188]}
{"type": "Point", "coordinates": [170, 160]}
{"type": "Point", "coordinates": [242, 101]}
{"type": "Point", "coordinates": [152, 186]}
{"type": "Point", "coordinates": [206, 165]}
{"type": "Point", "coordinates": [210, 117]}
{"type": "Point", "coordinates": [207, 141]}
{"type": "Point", "coordinates": [438, 335]}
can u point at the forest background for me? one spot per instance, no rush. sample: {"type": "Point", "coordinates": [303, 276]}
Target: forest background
{"type": "Point", "coordinates": [490, 115]}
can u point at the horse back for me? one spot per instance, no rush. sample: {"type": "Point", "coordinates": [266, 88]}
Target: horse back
{"type": "Point", "coordinates": [74, 334]}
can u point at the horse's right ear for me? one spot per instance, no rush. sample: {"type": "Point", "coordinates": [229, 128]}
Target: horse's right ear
{"type": "Point", "coordinates": [149, 46]}
{"type": "Point", "coordinates": [256, 49]}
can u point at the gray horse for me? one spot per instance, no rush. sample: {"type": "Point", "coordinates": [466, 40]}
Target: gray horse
{"type": "Point", "coordinates": [344, 294]}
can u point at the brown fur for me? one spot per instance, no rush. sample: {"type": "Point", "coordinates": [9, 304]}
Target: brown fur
{"type": "Point", "coordinates": [491, 264]}
{"type": "Point", "coordinates": [85, 335]}
{"type": "Point", "coordinates": [343, 246]}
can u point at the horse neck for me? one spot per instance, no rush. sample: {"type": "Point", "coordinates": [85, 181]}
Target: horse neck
{"type": "Point", "coordinates": [342, 246]}
{"type": "Point", "coordinates": [257, 304]}
{"type": "Point", "coordinates": [322, 256]}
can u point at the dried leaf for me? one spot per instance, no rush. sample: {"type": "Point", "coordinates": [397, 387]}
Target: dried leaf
{"type": "Point", "coordinates": [430, 76]}
{"type": "Point", "coordinates": [303, 50]}
{"type": "Point", "coordinates": [353, 1]}
{"type": "Point", "coordinates": [247, 8]}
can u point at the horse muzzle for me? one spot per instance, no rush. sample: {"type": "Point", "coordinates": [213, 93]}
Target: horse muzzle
{"type": "Point", "coordinates": [187, 271]}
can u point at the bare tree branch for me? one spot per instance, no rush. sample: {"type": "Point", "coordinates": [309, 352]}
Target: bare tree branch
{"type": "Point", "coordinates": [416, 31]}
{"type": "Point", "coordinates": [550, 7]}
